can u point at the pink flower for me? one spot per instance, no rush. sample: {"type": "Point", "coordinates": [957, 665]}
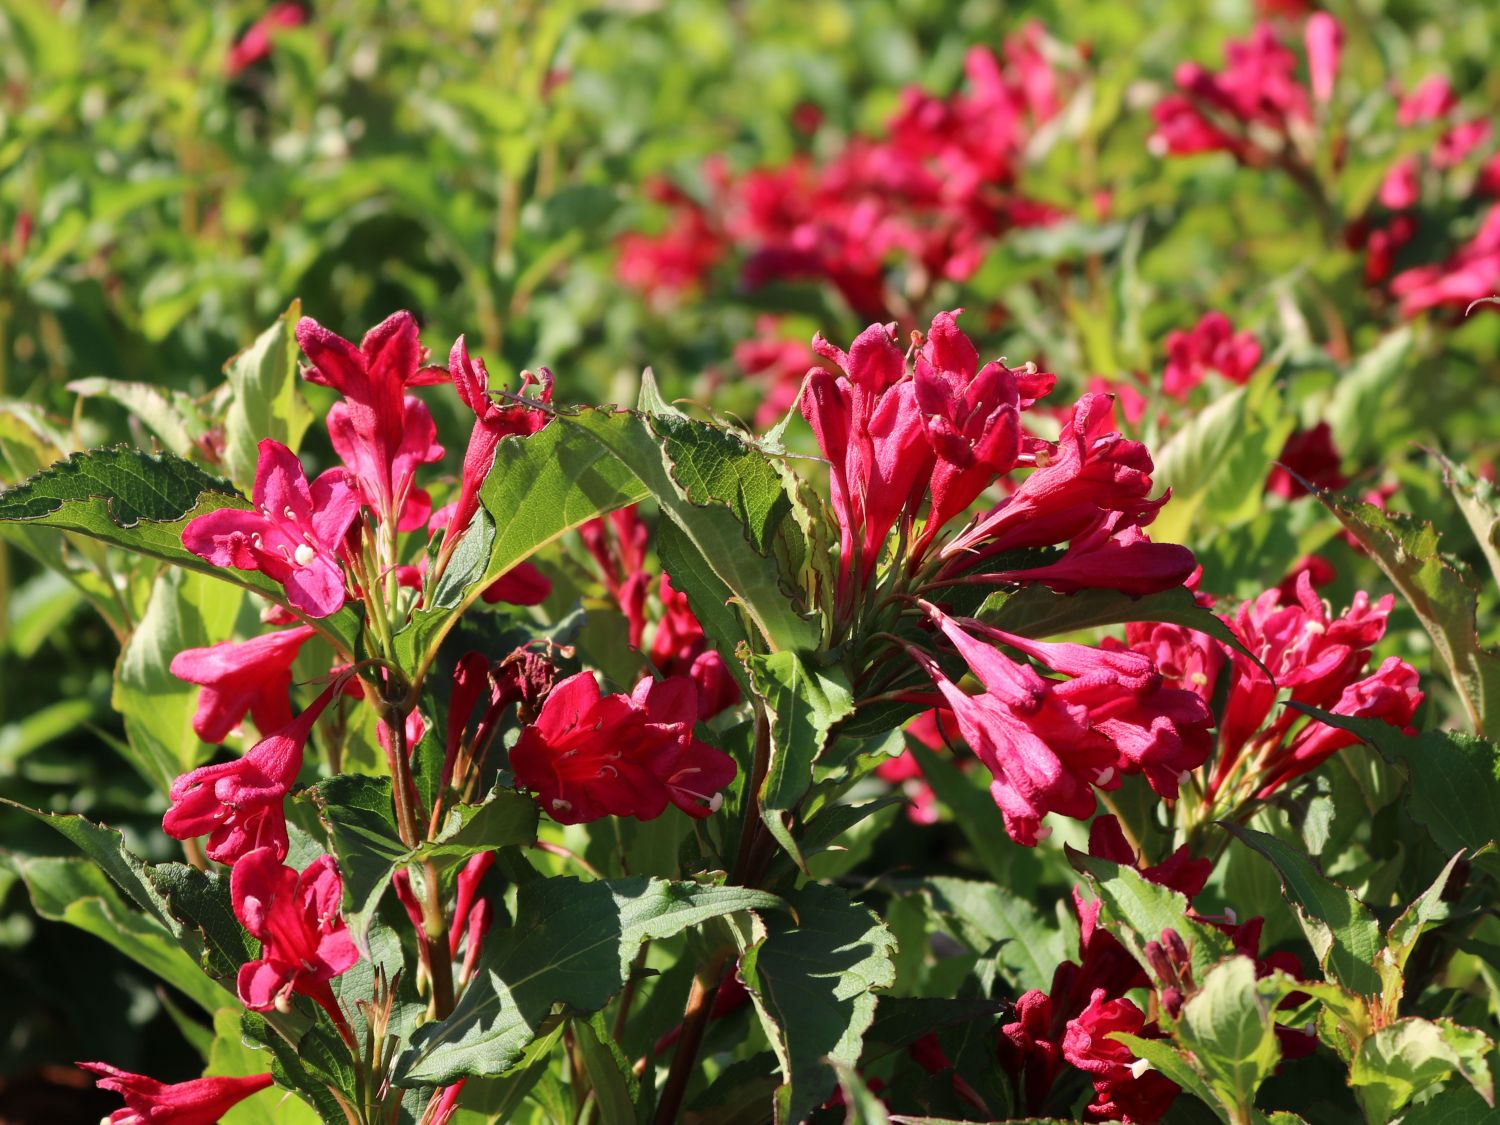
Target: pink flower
{"type": "Point", "coordinates": [1211, 345]}
{"type": "Point", "coordinates": [201, 1101]}
{"type": "Point", "coordinates": [255, 44]}
{"type": "Point", "coordinates": [492, 421]}
{"type": "Point", "coordinates": [252, 676]}
{"type": "Point", "coordinates": [1432, 100]}
{"type": "Point", "coordinates": [379, 431]}
{"type": "Point", "coordinates": [778, 365]}
{"type": "Point", "coordinates": [869, 426]}
{"type": "Point", "coordinates": [1179, 871]}
{"type": "Point", "coordinates": [1324, 37]}
{"type": "Point", "coordinates": [1469, 274]}
{"type": "Point", "coordinates": [304, 943]}
{"type": "Point", "coordinates": [617, 542]}
{"type": "Point", "coordinates": [589, 755]}
{"type": "Point", "coordinates": [294, 536]}
{"type": "Point", "coordinates": [1401, 187]}
{"type": "Point", "coordinates": [522, 584]}
{"type": "Point", "coordinates": [1039, 749]}
{"type": "Point", "coordinates": [238, 804]}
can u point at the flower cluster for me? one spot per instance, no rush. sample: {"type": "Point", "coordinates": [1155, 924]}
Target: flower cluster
{"type": "Point", "coordinates": [1210, 345]}
{"type": "Point", "coordinates": [1257, 108]}
{"type": "Point", "coordinates": [1302, 654]}
{"type": "Point", "coordinates": [933, 192]}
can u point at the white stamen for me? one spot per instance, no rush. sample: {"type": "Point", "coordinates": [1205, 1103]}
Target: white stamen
{"type": "Point", "coordinates": [304, 555]}
{"type": "Point", "coordinates": [1231, 915]}
{"type": "Point", "coordinates": [1043, 833]}
{"type": "Point", "coordinates": [287, 511]}
{"type": "Point", "coordinates": [1106, 775]}
{"type": "Point", "coordinates": [1139, 1067]}
{"type": "Point", "coordinates": [1317, 628]}
{"type": "Point", "coordinates": [716, 802]}
{"type": "Point", "coordinates": [1198, 678]}
{"type": "Point", "coordinates": [1184, 779]}
{"type": "Point", "coordinates": [559, 805]}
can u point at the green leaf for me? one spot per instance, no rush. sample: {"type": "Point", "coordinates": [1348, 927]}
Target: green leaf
{"type": "Point", "coordinates": [863, 1107]}
{"type": "Point", "coordinates": [729, 502]}
{"type": "Point", "coordinates": [539, 487]}
{"type": "Point", "coordinates": [1342, 931]}
{"type": "Point", "coordinates": [1035, 611]}
{"type": "Point", "coordinates": [1217, 462]}
{"type": "Point", "coordinates": [609, 1072]}
{"type": "Point", "coordinates": [974, 810]}
{"type": "Point", "coordinates": [1480, 505]}
{"type": "Point", "coordinates": [1437, 590]}
{"type": "Point", "coordinates": [1361, 394]}
{"type": "Point", "coordinates": [812, 978]}
{"type": "Point", "coordinates": [186, 610]}
{"type": "Point", "coordinates": [1426, 911]}
{"type": "Point", "coordinates": [992, 921]}
{"type": "Point", "coordinates": [498, 1099]}
{"type": "Point", "coordinates": [803, 702]}
{"type": "Point", "coordinates": [1139, 911]}
{"type": "Point", "coordinates": [1402, 1059]}
{"type": "Point", "coordinates": [142, 502]}
{"type": "Point", "coordinates": [308, 1060]}
{"type": "Point", "coordinates": [1228, 1026]}
{"type": "Point", "coordinates": [1454, 778]}
{"type": "Point", "coordinates": [572, 943]}
{"type": "Point", "coordinates": [264, 399]}
{"type": "Point", "coordinates": [78, 893]}
{"type": "Point", "coordinates": [174, 420]}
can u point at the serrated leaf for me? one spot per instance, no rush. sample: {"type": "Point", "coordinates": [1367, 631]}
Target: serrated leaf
{"type": "Point", "coordinates": [730, 504]}
{"type": "Point", "coordinates": [992, 921]}
{"type": "Point", "coordinates": [803, 703]}
{"type": "Point", "coordinates": [1426, 911]}
{"type": "Point", "coordinates": [1437, 590]}
{"type": "Point", "coordinates": [609, 1072]}
{"type": "Point", "coordinates": [264, 399]}
{"type": "Point", "coordinates": [1342, 931]}
{"type": "Point", "coordinates": [572, 943]}
{"type": "Point", "coordinates": [1404, 1058]}
{"type": "Point", "coordinates": [538, 488]}
{"type": "Point", "coordinates": [1477, 500]}
{"type": "Point", "coordinates": [308, 1060]}
{"type": "Point", "coordinates": [1227, 1025]}
{"type": "Point", "coordinates": [812, 979]}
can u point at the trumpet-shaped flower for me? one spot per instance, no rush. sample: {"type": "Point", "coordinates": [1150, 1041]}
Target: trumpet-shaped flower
{"type": "Point", "coordinates": [201, 1101]}
{"type": "Point", "coordinates": [294, 535]}
{"type": "Point", "coordinates": [237, 677]}
{"type": "Point", "coordinates": [304, 942]}
{"type": "Point", "coordinates": [380, 433]}
{"type": "Point", "coordinates": [238, 805]}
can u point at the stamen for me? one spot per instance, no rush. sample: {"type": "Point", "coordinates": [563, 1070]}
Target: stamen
{"type": "Point", "coordinates": [304, 555]}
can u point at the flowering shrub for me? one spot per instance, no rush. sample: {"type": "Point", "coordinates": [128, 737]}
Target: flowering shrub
{"type": "Point", "coordinates": [1034, 705]}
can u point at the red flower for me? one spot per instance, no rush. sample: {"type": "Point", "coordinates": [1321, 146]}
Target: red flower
{"type": "Point", "coordinates": [241, 676]}
{"type": "Point", "coordinates": [1312, 455]}
{"type": "Point", "coordinates": [304, 943]}
{"type": "Point", "coordinates": [617, 542]}
{"type": "Point", "coordinates": [589, 755]}
{"type": "Point", "coordinates": [492, 422]}
{"type": "Point", "coordinates": [201, 1101]}
{"type": "Point", "coordinates": [779, 365]}
{"type": "Point", "coordinates": [238, 804]}
{"type": "Point", "coordinates": [293, 536]}
{"type": "Point", "coordinates": [973, 419]}
{"type": "Point", "coordinates": [680, 647]}
{"type": "Point", "coordinates": [1179, 871]}
{"type": "Point", "coordinates": [1122, 1091]}
{"type": "Point", "coordinates": [1470, 274]}
{"type": "Point", "coordinates": [379, 431]}
{"type": "Point", "coordinates": [1211, 345]}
